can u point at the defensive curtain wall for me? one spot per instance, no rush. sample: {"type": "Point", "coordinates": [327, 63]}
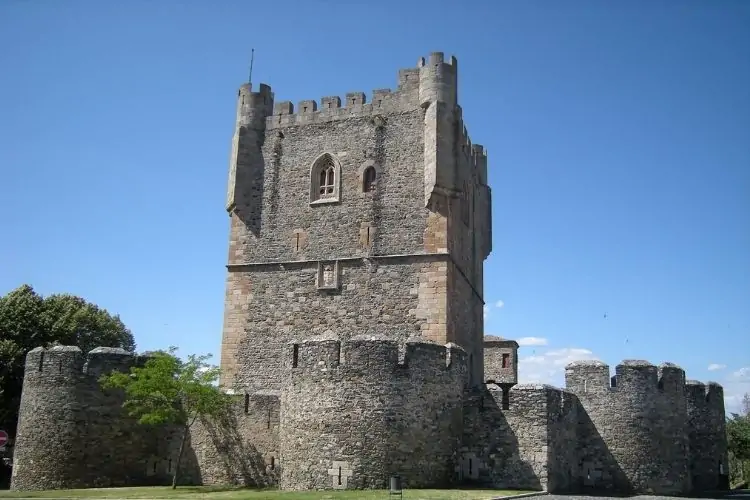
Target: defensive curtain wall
{"type": "Point", "coordinates": [354, 412]}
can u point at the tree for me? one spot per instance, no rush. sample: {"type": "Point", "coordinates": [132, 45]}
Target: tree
{"type": "Point", "coordinates": [738, 435]}
{"type": "Point", "coordinates": [167, 390]}
{"type": "Point", "coordinates": [28, 320]}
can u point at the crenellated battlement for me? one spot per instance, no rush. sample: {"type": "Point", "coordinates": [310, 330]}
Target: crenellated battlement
{"type": "Point", "coordinates": [587, 376]}
{"type": "Point", "coordinates": [592, 376]}
{"type": "Point", "coordinates": [671, 378]}
{"type": "Point", "coordinates": [636, 374]}
{"type": "Point", "coordinates": [702, 395]}
{"type": "Point", "coordinates": [521, 398]}
{"type": "Point", "coordinates": [433, 79]}
{"type": "Point", "coordinates": [51, 364]}
{"type": "Point", "coordinates": [373, 354]}
{"type": "Point", "coordinates": [332, 108]}
{"type": "Point", "coordinates": [57, 360]}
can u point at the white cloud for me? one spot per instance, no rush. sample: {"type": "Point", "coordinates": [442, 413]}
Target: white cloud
{"type": "Point", "coordinates": [548, 367]}
{"type": "Point", "coordinates": [499, 304]}
{"type": "Point", "coordinates": [486, 311]}
{"type": "Point", "coordinates": [715, 366]}
{"type": "Point", "coordinates": [531, 341]}
{"type": "Point", "coordinates": [736, 385]}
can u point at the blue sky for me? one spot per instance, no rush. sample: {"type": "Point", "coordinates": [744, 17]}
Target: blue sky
{"type": "Point", "coordinates": [618, 138]}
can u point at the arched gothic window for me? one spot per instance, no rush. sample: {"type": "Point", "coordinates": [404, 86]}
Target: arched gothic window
{"type": "Point", "coordinates": [369, 180]}
{"type": "Point", "coordinates": [327, 175]}
{"type": "Point", "coordinates": [325, 179]}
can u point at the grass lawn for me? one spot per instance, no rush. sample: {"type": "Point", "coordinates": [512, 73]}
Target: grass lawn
{"type": "Point", "coordinates": [214, 493]}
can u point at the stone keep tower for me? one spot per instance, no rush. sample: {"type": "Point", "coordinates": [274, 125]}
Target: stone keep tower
{"type": "Point", "coordinates": [354, 218]}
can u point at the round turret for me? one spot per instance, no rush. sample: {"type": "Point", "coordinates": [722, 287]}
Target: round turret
{"type": "Point", "coordinates": [706, 432]}
{"type": "Point", "coordinates": [352, 415]}
{"type": "Point", "coordinates": [48, 446]}
{"type": "Point", "coordinates": [438, 80]}
{"type": "Point", "coordinates": [671, 429]}
{"type": "Point", "coordinates": [638, 417]}
{"type": "Point", "coordinates": [254, 107]}
{"type": "Point", "coordinates": [71, 432]}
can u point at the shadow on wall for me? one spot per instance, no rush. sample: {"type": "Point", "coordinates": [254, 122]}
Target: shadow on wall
{"type": "Point", "coordinates": [249, 178]}
{"type": "Point", "coordinates": [492, 452]}
{"type": "Point", "coordinates": [223, 455]}
{"type": "Point", "coordinates": [598, 473]}
{"type": "Point", "coordinates": [538, 438]}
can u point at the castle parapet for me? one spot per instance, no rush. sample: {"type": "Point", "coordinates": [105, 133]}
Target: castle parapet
{"type": "Point", "coordinates": [374, 354]}
{"type": "Point", "coordinates": [104, 360]}
{"type": "Point", "coordinates": [636, 374]}
{"type": "Point", "coordinates": [671, 378]}
{"type": "Point", "coordinates": [433, 80]}
{"type": "Point", "coordinates": [55, 363]}
{"type": "Point", "coordinates": [587, 376]}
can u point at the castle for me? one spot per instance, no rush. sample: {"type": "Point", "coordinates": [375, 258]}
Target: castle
{"type": "Point", "coordinates": [353, 334]}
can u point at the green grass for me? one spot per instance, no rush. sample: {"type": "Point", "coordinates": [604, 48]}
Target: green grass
{"type": "Point", "coordinates": [218, 493]}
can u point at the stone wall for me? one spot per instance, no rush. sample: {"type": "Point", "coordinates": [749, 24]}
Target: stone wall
{"type": "Point", "coordinates": [397, 297]}
{"type": "Point", "coordinates": [563, 416]}
{"type": "Point", "coordinates": [520, 438]}
{"type": "Point", "coordinates": [625, 428]}
{"type": "Point", "coordinates": [71, 434]}
{"type": "Point", "coordinates": [241, 448]}
{"type": "Point", "coordinates": [352, 415]}
{"type": "Point", "coordinates": [707, 435]}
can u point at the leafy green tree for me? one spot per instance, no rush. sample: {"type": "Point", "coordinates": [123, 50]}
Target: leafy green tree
{"type": "Point", "coordinates": [28, 320]}
{"type": "Point", "coordinates": [738, 437]}
{"type": "Point", "coordinates": [167, 390]}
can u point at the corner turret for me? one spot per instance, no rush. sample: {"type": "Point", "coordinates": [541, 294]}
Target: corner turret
{"type": "Point", "coordinates": [438, 80]}
{"type": "Point", "coordinates": [250, 124]}
{"type": "Point", "coordinates": [438, 96]}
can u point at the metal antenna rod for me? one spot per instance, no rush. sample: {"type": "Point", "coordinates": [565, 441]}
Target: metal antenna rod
{"type": "Point", "coordinates": [252, 57]}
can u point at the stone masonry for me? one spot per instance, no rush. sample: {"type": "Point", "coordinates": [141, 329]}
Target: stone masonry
{"type": "Point", "coordinates": [353, 334]}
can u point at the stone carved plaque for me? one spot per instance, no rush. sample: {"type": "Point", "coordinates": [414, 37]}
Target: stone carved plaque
{"type": "Point", "coordinates": [328, 275]}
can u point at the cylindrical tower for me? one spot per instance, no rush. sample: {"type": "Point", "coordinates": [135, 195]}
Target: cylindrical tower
{"type": "Point", "coordinates": [48, 447]}
{"type": "Point", "coordinates": [632, 422]}
{"type": "Point", "coordinates": [707, 436]}
{"type": "Point", "coordinates": [352, 415]}
{"type": "Point", "coordinates": [250, 124]}
{"type": "Point", "coordinates": [438, 80]}
{"type": "Point", "coordinates": [672, 432]}
{"type": "Point", "coordinates": [621, 428]}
